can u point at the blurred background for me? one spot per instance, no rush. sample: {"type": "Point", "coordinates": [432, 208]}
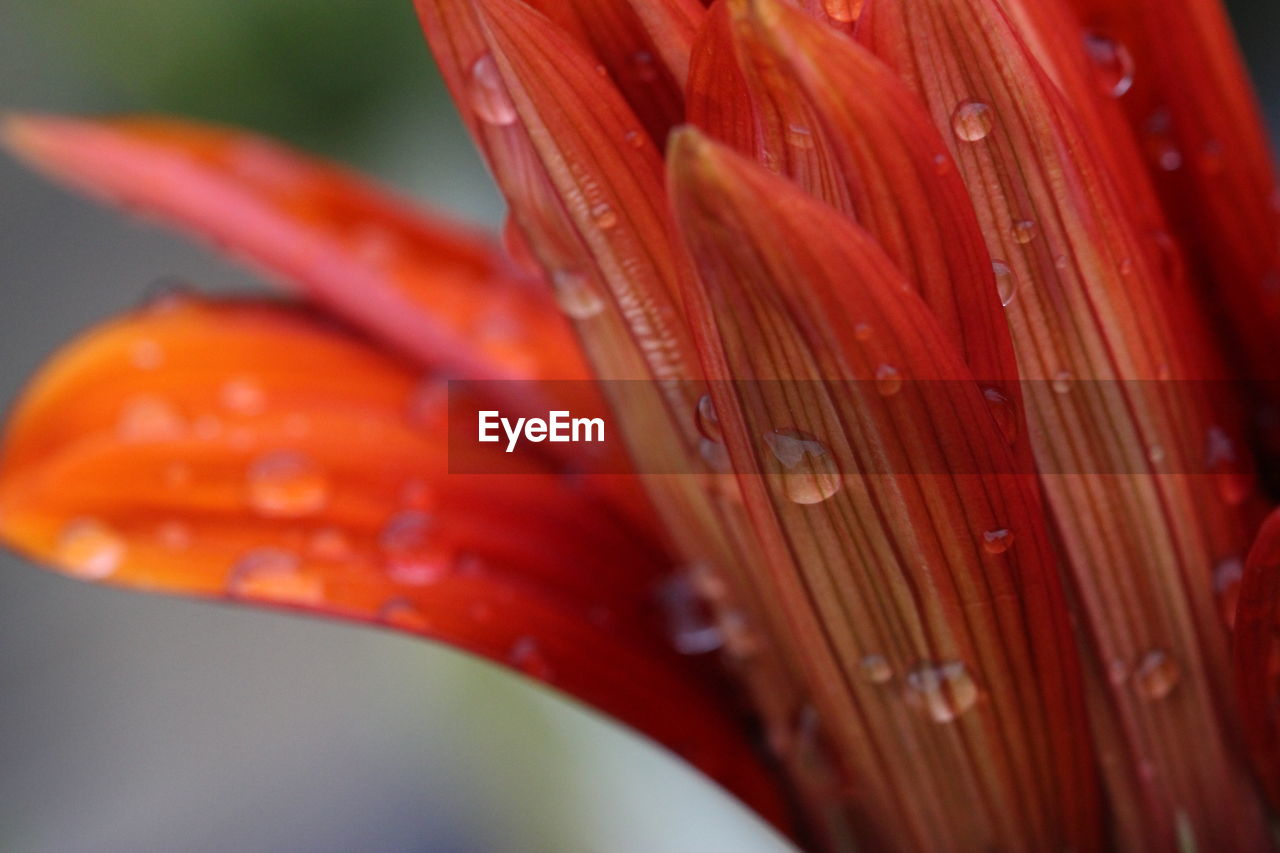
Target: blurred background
{"type": "Point", "coordinates": [130, 723]}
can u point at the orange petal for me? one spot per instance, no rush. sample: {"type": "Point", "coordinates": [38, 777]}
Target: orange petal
{"type": "Point", "coordinates": [1195, 115]}
{"type": "Point", "coordinates": [920, 572]}
{"type": "Point", "coordinates": [259, 455]}
{"type": "Point", "coordinates": [1141, 535]}
{"type": "Point", "coordinates": [1256, 651]}
{"type": "Point", "coordinates": [876, 157]}
{"type": "Point", "coordinates": [436, 291]}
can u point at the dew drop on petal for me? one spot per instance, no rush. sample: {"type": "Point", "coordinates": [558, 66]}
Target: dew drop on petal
{"type": "Point", "coordinates": [274, 574]}
{"type": "Point", "coordinates": [799, 136]}
{"type": "Point", "coordinates": [843, 11]}
{"type": "Point", "coordinates": [888, 380]}
{"type": "Point", "coordinates": [174, 535]}
{"type": "Point", "coordinates": [692, 627]}
{"type": "Point", "coordinates": [1006, 284]}
{"type": "Point", "coordinates": [943, 691]}
{"type": "Point", "coordinates": [805, 472]}
{"type": "Point", "coordinates": [577, 297]}
{"type": "Point", "coordinates": [972, 121]}
{"type": "Point", "coordinates": [604, 216]}
{"type": "Point", "coordinates": [862, 332]}
{"type": "Point", "coordinates": [329, 543]}
{"type": "Point", "coordinates": [1227, 575]}
{"type": "Point", "coordinates": [1061, 382]}
{"type": "Point", "coordinates": [89, 549]}
{"type": "Point", "coordinates": [643, 66]}
{"type": "Point", "coordinates": [286, 484]}
{"type": "Point", "coordinates": [527, 656]}
{"type": "Point", "coordinates": [147, 418]}
{"type": "Point", "coordinates": [146, 354]}
{"type": "Point", "coordinates": [997, 541]}
{"type": "Point", "coordinates": [715, 454]}
{"type": "Point", "coordinates": [1233, 480]}
{"type": "Point", "coordinates": [410, 551]}
{"type": "Point", "coordinates": [1112, 63]}
{"type": "Point", "coordinates": [1024, 231]}
{"type": "Point", "coordinates": [740, 641]}
{"type": "Point", "coordinates": [243, 395]}
{"type": "Point", "coordinates": [876, 669]}
{"type": "Point", "coordinates": [405, 615]}
{"type": "Point", "coordinates": [707, 420]}
{"type": "Point", "coordinates": [1156, 675]}
{"type": "Point", "coordinates": [1004, 412]}
{"type": "Point", "coordinates": [488, 94]}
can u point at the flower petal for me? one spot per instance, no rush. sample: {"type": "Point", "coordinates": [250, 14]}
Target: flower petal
{"type": "Point", "coordinates": [876, 157]}
{"type": "Point", "coordinates": [926, 587]}
{"type": "Point", "coordinates": [438, 292]}
{"type": "Point", "coordinates": [1254, 648]}
{"type": "Point", "coordinates": [1140, 540]}
{"type": "Point", "coordinates": [264, 457]}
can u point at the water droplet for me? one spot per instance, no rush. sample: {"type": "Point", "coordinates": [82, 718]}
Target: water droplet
{"type": "Point", "coordinates": [692, 627]}
{"type": "Point", "coordinates": [1118, 671]}
{"type": "Point", "coordinates": [274, 574]}
{"type": "Point", "coordinates": [1061, 382]}
{"type": "Point", "coordinates": [527, 656]}
{"type": "Point", "coordinates": [146, 354]}
{"type": "Point", "coordinates": [707, 420]}
{"type": "Point", "coordinates": [1227, 575]}
{"type": "Point", "coordinates": [174, 535]}
{"type": "Point", "coordinates": [862, 332]}
{"type": "Point", "coordinates": [1006, 284]}
{"type": "Point", "coordinates": [1156, 675]}
{"type": "Point", "coordinates": [972, 121]}
{"type": "Point", "coordinates": [634, 138]}
{"type": "Point", "coordinates": [1231, 478]}
{"type": "Point", "coordinates": [410, 551]}
{"type": "Point", "coordinates": [843, 11]}
{"type": "Point", "coordinates": [708, 583]}
{"type": "Point", "coordinates": [488, 94]}
{"type": "Point", "coordinates": [329, 543]}
{"type": "Point", "coordinates": [604, 216]}
{"type": "Point", "coordinates": [643, 66]}
{"type": "Point", "coordinates": [243, 395]}
{"type": "Point", "coordinates": [1158, 140]}
{"type": "Point", "coordinates": [740, 641]}
{"type": "Point", "coordinates": [1112, 63]}
{"type": "Point", "coordinates": [285, 484]}
{"type": "Point", "coordinates": [799, 136]}
{"type": "Point", "coordinates": [876, 669]}
{"type": "Point", "coordinates": [716, 455]}
{"type": "Point", "coordinates": [89, 549]}
{"type": "Point", "coordinates": [941, 164]}
{"type": "Point", "coordinates": [997, 541]}
{"type": "Point", "coordinates": [405, 615]}
{"type": "Point", "coordinates": [888, 380]}
{"type": "Point", "coordinates": [944, 691]}
{"type": "Point", "coordinates": [807, 472]}
{"type": "Point", "coordinates": [1024, 231]}
{"type": "Point", "coordinates": [1004, 412]}
{"type": "Point", "coordinates": [147, 418]}
{"type": "Point", "coordinates": [1155, 454]}
{"type": "Point", "coordinates": [1126, 266]}
{"type": "Point", "coordinates": [576, 295]}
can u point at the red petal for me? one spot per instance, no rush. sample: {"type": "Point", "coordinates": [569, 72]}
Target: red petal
{"type": "Point", "coordinates": [876, 156]}
{"type": "Point", "coordinates": [1256, 649]}
{"type": "Point", "coordinates": [436, 291]}
{"type": "Point", "coordinates": [261, 456]}
{"type": "Point", "coordinates": [1093, 306]}
{"type": "Point", "coordinates": [887, 572]}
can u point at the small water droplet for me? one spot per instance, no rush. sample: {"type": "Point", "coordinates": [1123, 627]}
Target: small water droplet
{"type": "Point", "coordinates": [1155, 454]}
{"type": "Point", "coordinates": [1004, 412]}
{"type": "Point", "coordinates": [146, 354]}
{"type": "Point", "coordinates": [634, 138]}
{"type": "Point", "coordinates": [604, 216]}
{"type": "Point", "coordinates": [842, 11]}
{"type": "Point", "coordinates": [1024, 231]}
{"type": "Point", "coordinates": [1061, 382]}
{"type": "Point", "coordinates": [274, 574]}
{"type": "Point", "coordinates": [410, 551]}
{"type": "Point", "coordinates": [643, 66]}
{"type": "Point", "coordinates": [740, 641]}
{"type": "Point", "coordinates": [972, 121]}
{"type": "Point", "coordinates": [888, 380]}
{"type": "Point", "coordinates": [1158, 140]}
{"type": "Point", "coordinates": [405, 615]}
{"type": "Point", "coordinates": [1112, 63]}
{"type": "Point", "coordinates": [1126, 266]}
{"type": "Point", "coordinates": [1118, 671]}
{"type": "Point", "coordinates": [329, 543]}
{"type": "Point", "coordinates": [576, 295]}
{"type": "Point", "coordinates": [89, 549]}
{"type": "Point", "coordinates": [997, 541]}
{"type": "Point", "coordinates": [715, 454]}
{"type": "Point", "coordinates": [1232, 479]}
{"type": "Point", "coordinates": [862, 332]}
{"type": "Point", "coordinates": [174, 535]}
{"type": "Point", "coordinates": [147, 418]}
{"type": "Point", "coordinates": [707, 420]}
{"type": "Point", "coordinates": [285, 484]}
{"type": "Point", "coordinates": [526, 656]}
{"type": "Point", "coordinates": [941, 164]}
{"type": "Point", "coordinates": [799, 136]}
{"type": "Point", "coordinates": [1227, 575]}
{"type": "Point", "coordinates": [488, 94]}
{"type": "Point", "coordinates": [1156, 675]}
{"type": "Point", "coordinates": [807, 473]}
{"type": "Point", "coordinates": [692, 626]}
{"type": "Point", "coordinates": [1006, 284]}
{"type": "Point", "coordinates": [243, 395]}
{"type": "Point", "coordinates": [943, 691]}
{"type": "Point", "coordinates": [876, 669]}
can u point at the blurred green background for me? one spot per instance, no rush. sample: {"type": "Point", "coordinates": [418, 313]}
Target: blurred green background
{"type": "Point", "coordinates": [133, 724]}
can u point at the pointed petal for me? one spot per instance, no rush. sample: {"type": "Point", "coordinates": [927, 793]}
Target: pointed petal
{"type": "Point", "coordinates": [1093, 306]}
{"type": "Point", "coordinates": [271, 459]}
{"type": "Point", "coordinates": [435, 290]}
{"type": "Point", "coordinates": [876, 157]}
{"type": "Point", "coordinates": [1254, 648]}
{"type": "Point", "coordinates": [888, 571]}
{"type": "Point", "coordinates": [1194, 114]}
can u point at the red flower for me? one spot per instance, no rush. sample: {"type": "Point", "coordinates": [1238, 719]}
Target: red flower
{"type": "Point", "coordinates": [972, 255]}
